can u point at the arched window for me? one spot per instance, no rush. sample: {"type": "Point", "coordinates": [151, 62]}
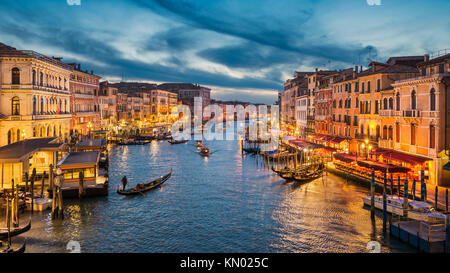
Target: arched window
{"type": "Point", "coordinates": [397, 102]}
{"type": "Point", "coordinates": [432, 137]}
{"type": "Point", "coordinates": [357, 103]}
{"type": "Point", "coordinates": [15, 76]}
{"type": "Point", "coordinates": [391, 133]}
{"type": "Point", "coordinates": [413, 100]}
{"type": "Point", "coordinates": [34, 106]}
{"type": "Point", "coordinates": [413, 134]}
{"type": "Point", "coordinates": [15, 106]}
{"type": "Point", "coordinates": [432, 100]}
{"type": "Point", "coordinates": [18, 134]}
{"type": "Point", "coordinates": [42, 106]}
{"type": "Point", "coordinates": [397, 132]}
{"type": "Point", "coordinates": [9, 137]}
{"type": "Point", "coordinates": [385, 132]}
{"type": "Point", "coordinates": [41, 79]}
{"type": "Point", "coordinates": [385, 104]}
{"type": "Point", "coordinates": [391, 104]}
{"type": "Point", "coordinates": [34, 77]}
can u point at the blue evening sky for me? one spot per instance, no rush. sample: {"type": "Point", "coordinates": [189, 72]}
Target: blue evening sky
{"type": "Point", "coordinates": [242, 49]}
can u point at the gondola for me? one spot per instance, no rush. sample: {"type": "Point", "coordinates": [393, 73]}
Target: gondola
{"type": "Point", "coordinates": [177, 141]}
{"type": "Point", "coordinates": [204, 151]}
{"type": "Point", "coordinates": [14, 231]}
{"type": "Point", "coordinates": [15, 251]}
{"type": "Point", "coordinates": [141, 188]}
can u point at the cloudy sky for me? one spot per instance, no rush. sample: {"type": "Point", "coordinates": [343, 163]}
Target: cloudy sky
{"type": "Point", "coordinates": [242, 49]}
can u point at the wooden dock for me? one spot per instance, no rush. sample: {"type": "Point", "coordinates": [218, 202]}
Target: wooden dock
{"type": "Point", "coordinates": [425, 237]}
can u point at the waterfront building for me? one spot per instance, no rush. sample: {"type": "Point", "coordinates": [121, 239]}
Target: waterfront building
{"type": "Point", "coordinates": [107, 98]}
{"type": "Point", "coordinates": [122, 104]}
{"type": "Point", "coordinates": [163, 103]}
{"type": "Point", "coordinates": [84, 88]}
{"type": "Point", "coordinates": [34, 96]}
{"type": "Point", "coordinates": [187, 92]}
{"type": "Point", "coordinates": [315, 82]}
{"type": "Point", "coordinates": [419, 116]}
{"type": "Point", "coordinates": [135, 105]}
{"type": "Point", "coordinates": [22, 157]}
{"type": "Point", "coordinates": [375, 84]}
{"type": "Point", "coordinates": [345, 105]}
{"type": "Point", "coordinates": [293, 103]}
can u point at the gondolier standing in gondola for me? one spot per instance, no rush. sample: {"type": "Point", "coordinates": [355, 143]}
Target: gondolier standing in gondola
{"type": "Point", "coordinates": [124, 182]}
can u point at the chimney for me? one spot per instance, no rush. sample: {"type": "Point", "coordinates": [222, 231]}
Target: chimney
{"type": "Point", "coordinates": [355, 71]}
{"type": "Point", "coordinates": [426, 57]}
{"type": "Point", "coordinates": [361, 69]}
{"type": "Point", "coordinates": [317, 70]}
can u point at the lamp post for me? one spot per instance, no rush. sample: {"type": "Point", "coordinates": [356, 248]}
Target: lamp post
{"type": "Point", "coordinates": [366, 148]}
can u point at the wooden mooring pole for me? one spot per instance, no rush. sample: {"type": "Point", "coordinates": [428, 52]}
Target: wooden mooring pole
{"type": "Point", "coordinates": [436, 195]}
{"type": "Point", "coordinates": [372, 195]}
{"type": "Point", "coordinates": [405, 199]}
{"type": "Point", "coordinates": [384, 203]}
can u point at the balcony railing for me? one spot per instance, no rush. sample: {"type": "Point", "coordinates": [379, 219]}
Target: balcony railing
{"type": "Point", "coordinates": [389, 113]}
{"type": "Point", "coordinates": [34, 87]}
{"type": "Point", "coordinates": [411, 113]}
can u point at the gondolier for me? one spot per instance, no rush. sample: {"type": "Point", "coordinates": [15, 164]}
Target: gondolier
{"type": "Point", "coordinates": [124, 182]}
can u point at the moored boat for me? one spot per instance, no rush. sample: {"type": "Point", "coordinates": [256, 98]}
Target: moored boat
{"type": "Point", "coordinates": [141, 188]}
{"type": "Point", "coordinates": [20, 250]}
{"type": "Point", "coordinates": [14, 231]}
{"type": "Point", "coordinates": [177, 141]}
{"type": "Point", "coordinates": [417, 210]}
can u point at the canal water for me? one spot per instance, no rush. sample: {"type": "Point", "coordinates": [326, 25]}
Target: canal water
{"type": "Point", "coordinates": [223, 203]}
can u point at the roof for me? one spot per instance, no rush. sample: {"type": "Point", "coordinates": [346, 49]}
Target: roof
{"type": "Point", "coordinates": [398, 156]}
{"type": "Point", "coordinates": [395, 68]}
{"type": "Point", "coordinates": [8, 51]}
{"type": "Point", "coordinates": [436, 60]}
{"type": "Point", "coordinates": [19, 151]}
{"type": "Point", "coordinates": [86, 143]}
{"type": "Point", "coordinates": [78, 159]}
{"type": "Point", "coordinates": [179, 86]}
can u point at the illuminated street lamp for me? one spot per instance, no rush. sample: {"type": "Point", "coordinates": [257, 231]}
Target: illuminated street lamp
{"type": "Point", "coordinates": [89, 126]}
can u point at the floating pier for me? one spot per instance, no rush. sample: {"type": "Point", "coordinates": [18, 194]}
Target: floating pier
{"type": "Point", "coordinates": [430, 238]}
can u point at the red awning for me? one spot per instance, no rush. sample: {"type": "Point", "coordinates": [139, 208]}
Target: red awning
{"type": "Point", "coordinates": [398, 156]}
{"type": "Point", "coordinates": [337, 140]}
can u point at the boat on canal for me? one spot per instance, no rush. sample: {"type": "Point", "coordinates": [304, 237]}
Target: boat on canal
{"type": "Point", "coordinates": [204, 151]}
{"type": "Point", "coordinates": [417, 210]}
{"type": "Point", "coordinates": [128, 142]}
{"type": "Point", "coordinates": [173, 142]}
{"type": "Point", "coordinates": [199, 144]}
{"type": "Point", "coordinates": [14, 231]}
{"type": "Point", "coordinates": [19, 250]}
{"type": "Point", "coordinates": [141, 188]}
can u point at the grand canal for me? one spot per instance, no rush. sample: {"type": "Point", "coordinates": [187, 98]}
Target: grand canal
{"type": "Point", "coordinates": [223, 203]}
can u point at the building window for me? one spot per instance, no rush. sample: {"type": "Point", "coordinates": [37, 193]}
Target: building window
{"type": "Point", "coordinates": [15, 76]}
{"type": "Point", "coordinates": [397, 132]}
{"type": "Point", "coordinates": [432, 100]}
{"type": "Point", "coordinates": [385, 132]}
{"type": "Point", "coordinates": [378, 85]}
{"type": "Point", "coordinates": [391, 104]}
{"type": "Point", "coordinates": [9, 137]}
{"type": "Point", "coordinates": [385, 104]}
{"type": "Point", "coordinates": [432, 137]}
{"type": "Point", "coordinates": [397, 100]}
{"type": "Point", "coordinates": [34, 105]}
{"type": "Point", "coordinates": [391, 133]}
{"type": "Point", "coordinates": [368, 87]}
{"type": "Point", "coordinates": [34, 77]}
{"type": "Point", "coordinates": [413, 134]}
{"type": "Point", "coordinates": [413, 100]}
{"type": "Point", "coordinates": [15, 106]}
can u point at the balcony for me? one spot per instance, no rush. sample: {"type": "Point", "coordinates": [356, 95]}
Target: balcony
{"type": "Point", "coordinates": [64, 91]}
{"type": "Point", "coordinates": [84, 96]}
{"type": "Point", "coordinates": [430, 114]}
{"type": "Point", "coordinates": [389, 113]}
{"type": "Point", "coordinates": [411, 113]}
